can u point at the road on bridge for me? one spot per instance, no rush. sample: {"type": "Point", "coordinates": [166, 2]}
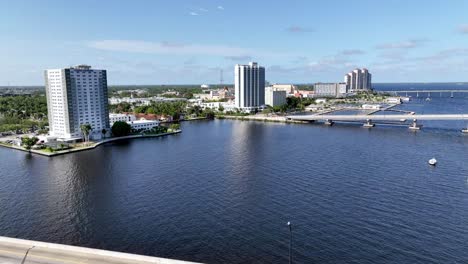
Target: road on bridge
{"type": "Point", "coordinates": [380, 117]}
{"type": "Point", "coordinates": [18, 251]}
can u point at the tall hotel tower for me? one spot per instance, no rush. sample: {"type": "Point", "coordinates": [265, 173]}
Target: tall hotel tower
{"type": "Point", "coordinates": [76, 96]}
{"type": "Point", "coordinates": [358, 80]}
{"type": "Point", "coordinates": [249, 86]}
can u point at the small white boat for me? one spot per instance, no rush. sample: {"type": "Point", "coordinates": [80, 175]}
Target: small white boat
{"type": "Point", "coordinates": [432, 162]}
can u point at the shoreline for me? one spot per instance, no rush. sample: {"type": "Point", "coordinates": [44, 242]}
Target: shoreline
{"type": "Point", "coordinates": [95, 145]}
{"type": "Point", "coordinates": [276, 119]}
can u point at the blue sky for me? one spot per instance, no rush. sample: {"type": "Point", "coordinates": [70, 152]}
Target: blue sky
{"type": "Point", "coordinates": [180, 42]}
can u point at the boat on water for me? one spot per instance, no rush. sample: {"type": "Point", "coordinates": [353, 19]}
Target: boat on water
{"type": "Point", "coordinates": [405, 98]}
{"type": "Point", "coordinates": [428, 99]}
{"type": "Point", "coordinates": [432, 162]}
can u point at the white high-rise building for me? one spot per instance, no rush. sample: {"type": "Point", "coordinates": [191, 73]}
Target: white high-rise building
{"type": "Point", "coordinates": [249, 86]}
{"type": "Point", "coordinates": [76, 96]}
{"type": "Point", "coordinates": [274, 96]}
{"type": "Point", "coordinates": [358, 80]}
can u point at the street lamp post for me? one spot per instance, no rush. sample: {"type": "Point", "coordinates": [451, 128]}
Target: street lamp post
{"type": "Point", "coordinates": [290, 242]}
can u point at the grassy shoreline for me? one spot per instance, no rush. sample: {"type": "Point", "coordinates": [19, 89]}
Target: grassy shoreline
{"type": "Point", "coordinates": [93, 146]}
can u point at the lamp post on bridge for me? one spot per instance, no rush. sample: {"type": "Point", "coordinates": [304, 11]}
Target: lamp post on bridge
{"type": "Point", "coordinates": [290, 242]}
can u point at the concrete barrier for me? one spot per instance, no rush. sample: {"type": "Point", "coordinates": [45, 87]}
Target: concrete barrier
{"type": "Point", "coordinates": [42, 252]}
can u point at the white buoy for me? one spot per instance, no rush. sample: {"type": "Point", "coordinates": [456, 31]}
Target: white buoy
{"type": "Point", "coordinates": [432, 162]}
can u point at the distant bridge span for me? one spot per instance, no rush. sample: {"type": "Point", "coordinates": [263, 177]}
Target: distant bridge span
{"type": "Point", "coordinates": [379, 117]}
{"type": "Point", "coordinates": [425, 91]}
{"type": "Point", "coordinates": [370, 119]}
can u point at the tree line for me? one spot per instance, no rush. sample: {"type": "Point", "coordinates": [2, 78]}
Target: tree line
{"type": "Point", "coordinates": [23, 113]}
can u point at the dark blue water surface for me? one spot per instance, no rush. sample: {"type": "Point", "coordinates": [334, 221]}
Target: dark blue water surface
{"type": "Point", "coordinates": [223, 191]}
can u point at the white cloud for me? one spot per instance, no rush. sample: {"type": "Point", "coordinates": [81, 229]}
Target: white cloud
{"type": "Point", "coordinates": [220, 8]}
{"type": "Point", "coordinates": [349, 52]}
{"type": "Point", "coordinates": [409, 44]}
{"type": "Point", "coordinates": [137, 46]}
{"type": "Point", "coordinates": [239, 58]}
{"type": "Point", "coordinates": [202, 9]}
{"type": "Point", "coordinates": [299, 29]}
{"type": "Point", "coordinates": [463, 29]}
{"type": "Point", "coordinates": [193, 13]}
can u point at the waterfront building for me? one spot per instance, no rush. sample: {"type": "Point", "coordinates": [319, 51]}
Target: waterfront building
{"type": "Point", "coordinates": [76, 96]}
{"type": "Point", "coordinates": [358, 80]}
{"type": "Point", "coordinates": [330, 89]}
{"type": "Point", "coordinates": [249, 86]}
{"type": "Point", "coordinates": [274, 97]}
{"type": "Point", "coordinates": [143, 125]}
{"type": "Point", "coordinates": [121, 117]}
{"type": "Point", "coordinates": [144, 122]}
{"type": "Point", "coordinates": [393, 100]}
{"type": "Point", "coordinates": [142, 101]}
{"type": "Point", "coordinates": [371, 106]}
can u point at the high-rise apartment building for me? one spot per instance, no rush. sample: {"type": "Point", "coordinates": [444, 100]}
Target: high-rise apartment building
{"type": "Point", "coordinates": [76, 96]}
{"type": "Point", "coordinates": [330, 89]}
{"type": "Point", "coordinates": [358, 80]}
{"type": "Point", "coordinates": [275, 97]}
{"type": "Point", "coordinates": [249, 86]}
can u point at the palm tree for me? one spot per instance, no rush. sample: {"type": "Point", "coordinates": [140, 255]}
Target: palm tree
{"type": "Point", "coordinates": [86, 129]}
{"type": "Point", "coordinates": [103, 131]}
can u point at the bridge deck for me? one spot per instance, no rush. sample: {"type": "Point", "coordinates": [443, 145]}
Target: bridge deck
{"type": "Point", "coordinates": [380, 117]}
{"type": "Point", "coordinates": [33, 252]}
{"type": "Point", "coordinates": [426, 91]}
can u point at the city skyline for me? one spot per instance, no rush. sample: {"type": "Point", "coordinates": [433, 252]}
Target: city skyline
{"type": "Point", "coordinates": [178, 42]}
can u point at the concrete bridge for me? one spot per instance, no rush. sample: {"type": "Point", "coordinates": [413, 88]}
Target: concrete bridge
{"type": "Point", "coordinates": [426, 92]}
{"type": "Point", "coordinates": [21, 251]}
{"type": "Point", "coordinates": [370, 119]}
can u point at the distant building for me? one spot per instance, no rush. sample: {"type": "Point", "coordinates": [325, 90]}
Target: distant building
{"type": "Point", "coordinates": [274, 97]}
{"type": "Point", "coordinates": [393, 100]}
{"type": "Point", "coordinates": [143, 125]}
{"type": "Point", "coordinates": [121, 117]}
{"type": "Point", "coordinates": [143, 101]}
{"type": "Point", "coordinates": [76, 96]}
{"type": "Point", "coordinates": [358, 80]}
{"type": "Point", "coordinates": [307, 94]}
{"type": "Point", "coordinates": [214, 95]}
{"type": "Point", "coordinates": [249, 86]}
{"type": "Point", "coordinates": [288, 88]}
{"type": "Point", "coordinates": [371, 106]}
{"type": "Point", "coordinates": [330, 89]}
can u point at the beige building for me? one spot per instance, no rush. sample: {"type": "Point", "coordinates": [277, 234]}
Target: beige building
{"type": "Point", "coordinates": [288, 88]}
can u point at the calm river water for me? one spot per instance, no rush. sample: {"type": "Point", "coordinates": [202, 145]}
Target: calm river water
{"type": "Point", "coordinates": [223, 191]}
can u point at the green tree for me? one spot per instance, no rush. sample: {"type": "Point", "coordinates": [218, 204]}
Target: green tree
{"type": "Point", "coordinates": [174, 127]}
{"type": "Point", "coordinates": [28, 142]}
{"type": "Point", "coordinates": [120, 129]}
{"type": "Point", "coordinates": [209, 113]}
{"type": "Point", "coordinates": [221, 108]}
{"type": "Point", "coordinates": [85, 130]}
{"type": "Point", "coordinates": [103, 132]}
